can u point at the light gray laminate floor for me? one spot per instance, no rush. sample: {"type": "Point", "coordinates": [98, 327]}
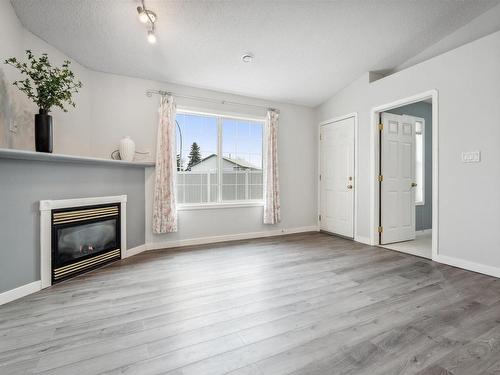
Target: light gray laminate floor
{"type": "Point", "coordinates": [297, 304]}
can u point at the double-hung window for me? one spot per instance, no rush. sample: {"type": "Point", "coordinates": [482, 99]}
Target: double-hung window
{"type": "Point", "coordinates": [219, 159]}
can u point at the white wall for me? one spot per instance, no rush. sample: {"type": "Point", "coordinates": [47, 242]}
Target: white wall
{"type": "Point", "coordinates": [468, 82]}
{"type": "Point", "coordinates": [112, 106]}
{"type": "Point", "coordinates": [297, 155]}
{"type": "Point", "coordinates": [11, 104]}
{"type": "Point", "coordinates": [71, 129]}
{"type": "Point", "coordinates": [120, 107]}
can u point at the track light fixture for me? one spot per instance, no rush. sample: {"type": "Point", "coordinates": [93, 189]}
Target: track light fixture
{"type": "Point", "coordinates": [148, 16]}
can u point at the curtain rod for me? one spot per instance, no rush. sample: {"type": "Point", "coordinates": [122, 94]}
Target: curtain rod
{"type": "Point", "coordinates": [150, 93]}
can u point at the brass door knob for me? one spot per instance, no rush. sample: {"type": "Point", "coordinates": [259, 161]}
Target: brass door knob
{"type": "Point", "coordinates": [349, 186]}
{"type": "Point", "coordinates": [413, 184]}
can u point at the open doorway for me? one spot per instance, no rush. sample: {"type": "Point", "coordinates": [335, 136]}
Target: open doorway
{"type": "Point", "coordinates": [405, 155]}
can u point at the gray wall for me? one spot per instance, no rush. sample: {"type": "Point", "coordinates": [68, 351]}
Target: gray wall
{"type": "Point", "coordinates": [423, 219]}
{"type": "Point", "coordinates": [24, 183]}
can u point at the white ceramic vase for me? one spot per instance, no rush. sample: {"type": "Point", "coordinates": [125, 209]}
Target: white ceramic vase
{"type": "Point", "coordinates": [127, 149]}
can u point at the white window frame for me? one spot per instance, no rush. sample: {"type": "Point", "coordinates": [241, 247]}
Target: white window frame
{"type": "Point", "coordinates": [220, 203]}
{"type": "Point", "coordinates": [422, 202]}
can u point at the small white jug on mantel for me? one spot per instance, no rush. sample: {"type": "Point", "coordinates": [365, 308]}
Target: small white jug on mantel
{"type": "Point", "coordinates": [127, 149]}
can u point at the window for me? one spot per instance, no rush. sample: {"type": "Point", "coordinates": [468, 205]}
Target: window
{"type": "Point", "coordinates": [219, 159]}
{"type": "Point", "coordinates": [420, 161]}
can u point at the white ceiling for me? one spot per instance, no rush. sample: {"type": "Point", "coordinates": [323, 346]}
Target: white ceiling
{"type": "Point", "coordinates": [305, 51]}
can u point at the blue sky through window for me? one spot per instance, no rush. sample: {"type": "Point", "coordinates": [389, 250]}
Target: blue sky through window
{"type": "Point", "coordinates": [241, 139]}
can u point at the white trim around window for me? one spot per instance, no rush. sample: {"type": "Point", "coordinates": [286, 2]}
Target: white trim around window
{"type": "Point", "coordinates": [210, 206]}
{"type": "Point", "coordinates": [220, 204]}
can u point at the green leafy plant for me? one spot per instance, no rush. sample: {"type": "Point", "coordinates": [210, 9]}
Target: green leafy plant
{"type": "Point", "coordinates": [46, 85]}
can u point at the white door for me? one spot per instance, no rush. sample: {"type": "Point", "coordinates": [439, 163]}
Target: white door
{"type": "Point", "coordinates": [398, 178]}
{"type": "Point", "coordinates": [337, 177]}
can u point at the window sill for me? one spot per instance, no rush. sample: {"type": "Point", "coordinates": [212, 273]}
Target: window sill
{"type": "Point", "coordinates": [210, 206]}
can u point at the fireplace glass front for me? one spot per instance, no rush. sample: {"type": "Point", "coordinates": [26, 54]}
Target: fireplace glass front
{"type": "Point", "coordinates": [84, 238]}
{"type": "Point", "coordinates": [76, 242]}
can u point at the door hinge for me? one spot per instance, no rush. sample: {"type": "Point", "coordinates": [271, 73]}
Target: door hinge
{"type": "Point", "coordinates": [320, 177]}
{"type": "Point", "coordinates": [380, 178]}
{"type": "Point", "coordinates": [320, 137]}
{"type": "Point", "coordinates": [319, 217]}
{"type": "Point", "coordinates": [380, 127]}
{"type": "Point", "coordinates": [380, 229]}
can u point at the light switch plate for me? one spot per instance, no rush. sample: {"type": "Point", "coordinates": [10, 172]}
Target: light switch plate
{"type": "Point", "coordinates": [471, 156]}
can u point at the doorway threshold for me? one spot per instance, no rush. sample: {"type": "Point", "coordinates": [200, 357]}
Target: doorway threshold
{"type": "Point", "coordinates": [421, 246]}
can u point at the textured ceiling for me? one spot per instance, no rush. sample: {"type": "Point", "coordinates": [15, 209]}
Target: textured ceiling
{"type": "Point", "coordinates": [305, 51]}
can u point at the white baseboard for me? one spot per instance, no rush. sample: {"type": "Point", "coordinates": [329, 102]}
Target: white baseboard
{"type": "Point", "coordinates": [36, 286]}
{"type": "Point", "coordinates": [134, 251]}
{"type": "Point", "coordinates": [365, 240]}
{"type": "Point", "coordinates": [21, 291]}
{"type": "Point", "coordinates": [468, 265]}
{"type": "Point", "coordinates": [228, 237]}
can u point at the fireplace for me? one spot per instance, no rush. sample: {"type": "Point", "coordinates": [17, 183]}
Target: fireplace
{"type": "Point", "coordinates": [77, 235]}
{"type": "Point", "coordinates": [84, 238]}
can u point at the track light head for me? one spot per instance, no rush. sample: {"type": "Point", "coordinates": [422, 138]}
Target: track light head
{"type": "Point", "coordinates": [151, 37]}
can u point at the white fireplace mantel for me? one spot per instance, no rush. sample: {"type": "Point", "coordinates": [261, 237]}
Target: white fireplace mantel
{"type": "Point", "coordinates": [46, 207]}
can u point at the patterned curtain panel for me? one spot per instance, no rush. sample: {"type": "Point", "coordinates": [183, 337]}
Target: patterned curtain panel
{"type": "Point", "coordinates": [165, 200]}
{"type": "Point", "coordinates": [271, 177]}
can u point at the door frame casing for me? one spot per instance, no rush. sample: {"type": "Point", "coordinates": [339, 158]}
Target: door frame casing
{"type": "Point", "coordinates": [375, 152]}
{"type": "Point", "coordinates": [355, 208]}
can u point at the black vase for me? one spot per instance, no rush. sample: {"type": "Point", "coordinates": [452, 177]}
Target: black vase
{"type": "Point", "coordinates": [43, 131]}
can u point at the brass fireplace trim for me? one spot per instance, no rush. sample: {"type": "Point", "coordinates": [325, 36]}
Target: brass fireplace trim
{"type": "Point", "coordinates": [83, 218]}
{"type": "Point", "coordinates": [75, 267]}
{"type": "Point", "coordinates": [89, 210]}
{"type": "Point", "coordinates": [82, 215]}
